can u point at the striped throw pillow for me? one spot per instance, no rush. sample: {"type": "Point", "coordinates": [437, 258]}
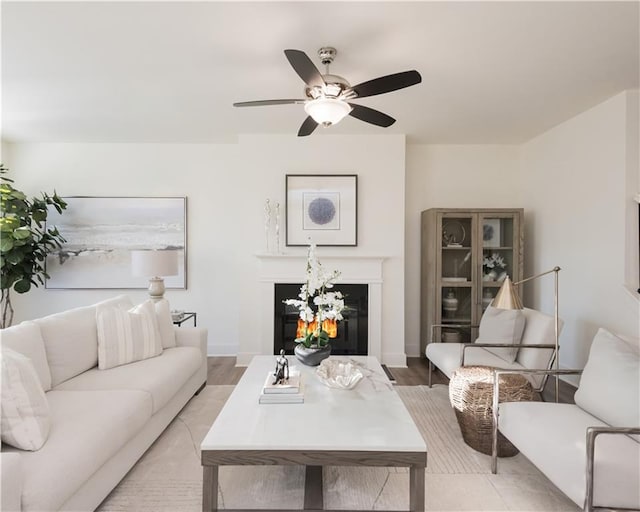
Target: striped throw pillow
{"type": "Point", "coordinates": [127, 336]}
{"type": "Point", "coordinates": [25, 419]}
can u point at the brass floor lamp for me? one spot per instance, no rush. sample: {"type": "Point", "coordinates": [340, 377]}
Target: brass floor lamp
{"type": "Point", "coordinates": [508, 298]}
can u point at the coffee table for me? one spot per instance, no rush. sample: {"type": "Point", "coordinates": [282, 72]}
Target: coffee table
{"type": "Point", "coordinates": [366, 426]}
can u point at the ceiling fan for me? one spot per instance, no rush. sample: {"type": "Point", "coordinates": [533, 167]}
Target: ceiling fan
{"type": "Point", "coordinates": [327, 96]}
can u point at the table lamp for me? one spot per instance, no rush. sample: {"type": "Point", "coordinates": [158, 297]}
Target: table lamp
{"type": "Point", "coordinates": [508, 298]}
{"type": "Point", "coordinates": [155, 265]}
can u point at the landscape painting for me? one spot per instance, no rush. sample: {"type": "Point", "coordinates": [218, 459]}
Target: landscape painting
{"type": "Point", "coordinates": [101, 232]}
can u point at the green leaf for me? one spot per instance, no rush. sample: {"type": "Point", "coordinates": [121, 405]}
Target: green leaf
{"type": "Point", "coordinates": [16, 194]}
{"type": "Point", "coordinates": [6, 244]}
{"type": "Point", "coordinates": [22, 233]}
{"type": "Point", "coordinates": [14, 257]}
{"type": "Point", "coordinates": [39, 215]}
{"type": "Point", "coordinates": [22, 286]}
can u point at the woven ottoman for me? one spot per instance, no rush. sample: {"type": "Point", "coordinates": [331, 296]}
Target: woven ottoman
{"type": "Point", "coordinates": [471, 396]}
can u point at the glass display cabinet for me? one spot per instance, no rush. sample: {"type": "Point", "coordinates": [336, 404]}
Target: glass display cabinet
{"type": "Point", "coordinates": [466, 255]}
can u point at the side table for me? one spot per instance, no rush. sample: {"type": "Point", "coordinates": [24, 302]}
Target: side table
{"type": "Point", "coordinates": [188, 315]}
{"type": "Point", "coordinates": [471, 396]}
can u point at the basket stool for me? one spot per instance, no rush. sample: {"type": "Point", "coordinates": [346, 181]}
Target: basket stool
{"type": "Point", "coordinates": [471, 396]}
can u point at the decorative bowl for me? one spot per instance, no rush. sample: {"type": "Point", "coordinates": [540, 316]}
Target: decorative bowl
{"type": "Point", "coordinates": [339, 374]}
{"type": "Point", "coordinates": [177, 315]}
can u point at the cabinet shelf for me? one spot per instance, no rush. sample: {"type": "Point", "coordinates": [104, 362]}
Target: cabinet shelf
{"type": "Point", "coordinates": [486, 233]}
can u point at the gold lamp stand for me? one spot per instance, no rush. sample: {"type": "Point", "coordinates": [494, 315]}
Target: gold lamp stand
{"type": "Point", "coordinates": [508, 298]}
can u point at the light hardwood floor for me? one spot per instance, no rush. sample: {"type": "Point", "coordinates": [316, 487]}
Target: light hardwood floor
{"type": "Point", "coordinates": [223, 370]}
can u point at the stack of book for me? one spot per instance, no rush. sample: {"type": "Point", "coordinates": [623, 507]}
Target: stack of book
{"type": "Point", "coordinates": [290, 392]}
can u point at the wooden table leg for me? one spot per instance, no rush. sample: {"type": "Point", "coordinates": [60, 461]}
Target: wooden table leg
{"type": "Point", "coordinates": [313, 499]}
{"type": "Point", "coordinates": [416, 489]}
{"type": "Point", "coordinates": [209, 488]}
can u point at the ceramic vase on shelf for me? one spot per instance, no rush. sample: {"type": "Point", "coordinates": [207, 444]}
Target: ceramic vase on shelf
{"type": "Point", "coordinates": [490, 276]}
{"type": "Point", "coordinates": [312, 356]}
{"type": "Point", "coordinates": [450, 304]}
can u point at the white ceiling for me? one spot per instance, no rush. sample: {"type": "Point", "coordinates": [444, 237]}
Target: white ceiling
{"type": "Point", "coordinates": [493, 72]}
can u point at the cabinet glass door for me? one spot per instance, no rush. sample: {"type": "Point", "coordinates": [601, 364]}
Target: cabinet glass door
{"type": "Point", "coordinates": [457, 274]}
{"type": "Point", "coordinates": [498, 235]}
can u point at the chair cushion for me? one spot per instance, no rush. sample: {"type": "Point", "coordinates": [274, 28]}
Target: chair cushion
{"type": "Point", "coordinates": [71, 339]}
{"type": "Point", "coordinates": [447, 357]}
{"type": "Point", "coordinates": [27, 339]}
{"type": "Point", "coordinates": [25, 420]}
{"type": "Point", "coordinates": [87, 430]}
{"type": "Point", "coordinates": [502, 326]}
{"type": "Point", "coordinates": [127, 336]}
{"type": "Point", "coordinates": [539, 328]}
{"type": "Point", "coordinates": [610, 383]}
{"type": "Point", "coordinates": [165, 323]}
{"type": "Point", "coordinates": [553, 437]}
{"type": "Point", "coordinates": [160, 377]}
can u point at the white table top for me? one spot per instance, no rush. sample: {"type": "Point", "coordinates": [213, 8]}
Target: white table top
{"type": "Point", "coordinates": [371, 417]}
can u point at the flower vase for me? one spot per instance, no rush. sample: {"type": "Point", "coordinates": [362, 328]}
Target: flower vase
{"type": "Point", "coordinates": [311, 356]}
{"type": "Point", "coordinates": [492, 275]}
{"type": "Point", "coordinates": [450, 304]}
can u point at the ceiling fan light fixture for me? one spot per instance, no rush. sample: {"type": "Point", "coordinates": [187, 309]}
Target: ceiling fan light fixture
{"type": "Point", "coordinates": [327, 111]}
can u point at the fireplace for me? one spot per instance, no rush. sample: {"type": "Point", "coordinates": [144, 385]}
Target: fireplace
{"type": "Point", "coordinates": [353, 330]}
{"type": "Point", "coordinates": [290, 268]}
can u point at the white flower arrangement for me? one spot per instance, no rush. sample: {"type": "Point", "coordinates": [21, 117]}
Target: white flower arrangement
{"type": "Point", "coordinates": [494, 262]}
{"type": "Point", "coordinates": [320, 310]}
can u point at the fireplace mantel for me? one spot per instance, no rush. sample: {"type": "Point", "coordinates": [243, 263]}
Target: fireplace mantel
{"type": "Point", "coordinates": [291, 267]}
{"type": "Point", "coordinates": [279, 268]}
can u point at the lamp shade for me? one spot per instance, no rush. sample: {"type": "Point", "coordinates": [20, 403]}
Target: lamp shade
{"type": "Point", "coordinates": [154, 263]}
{"type": "Point", "coordinates": [507, 297]}
{"type": "Point", "coordinates": [327, 111]}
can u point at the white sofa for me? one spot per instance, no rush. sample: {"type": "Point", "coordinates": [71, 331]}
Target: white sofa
{"type": "Point", "coordinates": [102, 421]}
{"type": "Point", "coordinates": [539, 331]}
{"type": "Point", "coordinates": [556, 438]}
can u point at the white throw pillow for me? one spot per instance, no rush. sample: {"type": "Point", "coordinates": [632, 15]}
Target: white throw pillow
{"type": "Point", "coordinates": [503, 326]}
{"type": "Point", "coordinates": [610, 383]}
{"type": "Point", "coordinates": [127, 336]}
{"type": "Point", "coordinates": [25, 416]}
{"type": "Point", "coordinates": [165, 323]}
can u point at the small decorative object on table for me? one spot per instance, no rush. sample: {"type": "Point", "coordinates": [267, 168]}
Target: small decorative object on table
{"type": "Point", "coordinates": [320, 311]}
{"type": "Point", "coordinates": [177, 315]}
{"type": "Point", "coordinates": [339, 374]}
{"type": "Point", "coordinates": [282, 386]}
{"type": "Point", "coordinates": [281, 373]}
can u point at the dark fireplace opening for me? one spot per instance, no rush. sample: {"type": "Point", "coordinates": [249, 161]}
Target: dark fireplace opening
{"type": "Point", "coordinates": [353, 330]}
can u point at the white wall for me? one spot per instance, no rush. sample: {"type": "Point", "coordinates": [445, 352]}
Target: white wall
{"type": "Point", "coordinates": [226, 187]}
{"type": "Point", "coordinates": [575, 195]}
{"type": "Point", "coordinates": [632, 193]}
{"type": "Point", "coordinates": [451, 176]}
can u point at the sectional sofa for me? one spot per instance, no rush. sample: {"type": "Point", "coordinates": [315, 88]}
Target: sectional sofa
{"type": "Point", "coordinates": [101, 420]}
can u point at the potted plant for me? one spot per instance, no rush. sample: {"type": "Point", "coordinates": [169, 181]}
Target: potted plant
{"type": "Point", "coordinates": [25, 241]}
{"type": "Point", "coordinates": [492, 265]}
{"type": "Point", "coordinates": [320, 311]}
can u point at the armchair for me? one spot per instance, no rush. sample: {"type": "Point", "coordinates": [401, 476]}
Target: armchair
{"type": "Point", "coordinates": [587, 450]}
{"type": "Point", "coordinates": [535, 350]}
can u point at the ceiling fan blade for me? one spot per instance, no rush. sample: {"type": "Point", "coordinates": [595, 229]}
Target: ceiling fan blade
{"type": "Point", "coordinates": [262, 103]}
{"type": "Point", "coordinates": [369, 115]}
{"type": "Point", "coordinates": [387, 83]}
{"type": "Point", "coordinates": [306, 69]}
{"type": "Point", "coordinates": [307, 127]}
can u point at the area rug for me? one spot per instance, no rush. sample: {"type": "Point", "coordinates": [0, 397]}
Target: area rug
{"type": "Point", "coordinates": [169, 476]}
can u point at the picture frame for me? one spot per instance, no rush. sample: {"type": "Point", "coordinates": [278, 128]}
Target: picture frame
{"type": "Point", "coordinates": [322, 208]}
{"type": "Point", "coordinates": [100, 234]}
{"type": "Point", "coordinates": [491, 232]}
